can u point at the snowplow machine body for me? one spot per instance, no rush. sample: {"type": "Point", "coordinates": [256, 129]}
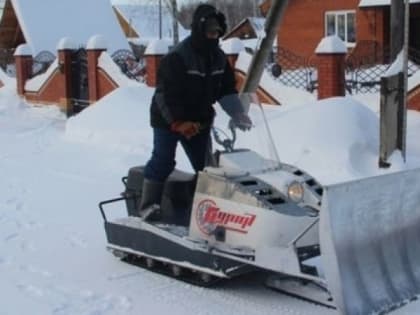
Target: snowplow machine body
{"type": "Point", "coordinates": [355, 241]}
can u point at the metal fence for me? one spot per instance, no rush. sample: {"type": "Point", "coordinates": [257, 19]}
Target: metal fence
{"type": "Point", "coordinates": [42, 62]}
{"type": "Point", "coordinates": [293, 70]}
{"type": "Point", "coordinates": [134, 68]}
{"type": "Point", "coordinates": [365, 66]}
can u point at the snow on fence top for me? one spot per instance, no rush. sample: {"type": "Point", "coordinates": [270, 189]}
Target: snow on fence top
{"type": "Point", "coordinates": [97, 42]}
{"type": "Point", "coordinates": [331, 45]}
{"type": "Point", "coordinates": [66, 43]}
{"type": "Point", "coordinates": [23, 50]}
{"type": "Point", "coordinates": [157, 47]}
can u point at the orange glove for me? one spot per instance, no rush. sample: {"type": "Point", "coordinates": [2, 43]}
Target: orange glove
{"type": "Point", "coordinates": [186, 128]}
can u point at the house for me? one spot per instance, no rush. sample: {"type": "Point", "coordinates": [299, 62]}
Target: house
{"type": "Point", "coordinates": [63, 52]}
{"type": "Point", "coordinates": [41, 24]}
{"type": "Point", "coordinates": [142, 23]}
{"type": "Point", "coordinates": [362, 24]}
{"type": "Point", "coordinates": [250, 27]}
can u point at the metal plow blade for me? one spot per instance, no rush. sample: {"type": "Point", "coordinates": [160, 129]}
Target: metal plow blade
{"type": "Point", "coordinates": [370, 239]}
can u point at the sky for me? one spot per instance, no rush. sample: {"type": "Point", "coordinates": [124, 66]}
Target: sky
{"type": "Point", "coordinates": [55, 170]}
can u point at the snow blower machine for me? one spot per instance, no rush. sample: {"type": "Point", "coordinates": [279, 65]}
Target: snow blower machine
{"type": "Point", "coordinates": [351, 246]}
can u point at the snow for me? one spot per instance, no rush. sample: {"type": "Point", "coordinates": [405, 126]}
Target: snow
{"type": "Point", "coordinates": [258, 25]}
{"type": "Point", "coordinates": [374, 3]}
{"type": "Point", "coordinates": [34, 84]}
{"type": "Point", "coordinates": [157, 47]}
{"type": "Point", "coordinates": [331, 45]}
{"type": "Point", "coordinates": [232, 46]}
{"type": "Point", "coordinates": [97, 42]}
{"type": "Point", "coordinates": [105, 62]}
{"type": "Point", "coordinates": [397, 66]}
{"type": "Point", "coordinates": [6, 79]}
{"type": "Point", "coordinates": [55, 171]}
{"type": "Point", "coordinates": [23, 50]}
{"type": "Point", "coordinates": [45, 22]}
{"type": "Point", "coordinates": [66, 43]}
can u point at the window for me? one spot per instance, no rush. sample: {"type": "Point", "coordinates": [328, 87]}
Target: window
{"type": "Point", "coordinates": [342, 24]}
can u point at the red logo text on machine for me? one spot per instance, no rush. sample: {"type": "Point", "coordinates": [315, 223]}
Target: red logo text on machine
{"type": "Point", "coordinates": [209, 216]}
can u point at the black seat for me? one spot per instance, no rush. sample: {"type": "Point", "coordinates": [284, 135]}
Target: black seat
{"type": "Point", "coordinates": [177, 195]}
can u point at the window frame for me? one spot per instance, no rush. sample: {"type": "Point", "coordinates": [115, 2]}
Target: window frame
{"type": "Point", "coordinates": [344, 13]}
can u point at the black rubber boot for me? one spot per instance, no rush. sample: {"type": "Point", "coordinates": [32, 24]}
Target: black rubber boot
{"type": "Point", "coordinates": [151, 196]}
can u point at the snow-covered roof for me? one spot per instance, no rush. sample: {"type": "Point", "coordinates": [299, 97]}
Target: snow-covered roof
{"type": "Point", "coordinates": [377, 3]}
{"type": "Point", "coordinates": [232, 46]}
{"type": "Point", "coordinates": [45, 22]}
{"type": "Point", "coordinates": [257, 24]}
{"type": "Point", "coordinates": [144, 19]}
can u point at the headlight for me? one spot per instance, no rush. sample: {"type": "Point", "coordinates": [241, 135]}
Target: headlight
{"type": "Point", "coordinates": [295, 191]}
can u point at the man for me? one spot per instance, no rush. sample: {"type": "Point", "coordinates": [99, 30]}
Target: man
{"type": "Point", "coordinates": [191, 78]}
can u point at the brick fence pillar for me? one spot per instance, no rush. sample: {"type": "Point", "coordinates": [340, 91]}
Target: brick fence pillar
{"type": "Point", "coordinates": [153, 55]}
{"type": "Point", "coordinates": [65, 48]}
{"type": "Point", "coordinates": [331, 53]}
{"type": "Point", "coordinates": [95, 47]}
{"type": "Point", "coordinates": [24, 62]}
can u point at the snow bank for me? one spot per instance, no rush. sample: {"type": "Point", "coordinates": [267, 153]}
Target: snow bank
{"type": "Point", "coordinates": [334, 140]}
{"type": "Point", "coordinates": [9, 100]}
{"type": "Point", "coordinates": [119, 120]}
{"type": "Point", "coordinates": [6, 79]}
{"type": "Point", "coordinates": [111, 68]}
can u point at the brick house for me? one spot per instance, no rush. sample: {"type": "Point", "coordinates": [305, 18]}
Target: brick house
{"type": "Point", "coordinates": [362, 24]}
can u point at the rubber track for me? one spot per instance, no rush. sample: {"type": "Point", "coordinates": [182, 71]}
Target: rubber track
{"type": "Point", "coordinates": [187, 275]}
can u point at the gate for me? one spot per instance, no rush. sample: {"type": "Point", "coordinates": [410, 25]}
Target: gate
{"type": "Point", "coordinates": [368, 63]}
{"type": "Point", "coordinates": [132, 67]}
{"type": "Point", "coordinates": [79, 80]}
{"type": "Point", "coordinates": [294, 70]}
{"type": "Point", "coordinates": [42, 62]}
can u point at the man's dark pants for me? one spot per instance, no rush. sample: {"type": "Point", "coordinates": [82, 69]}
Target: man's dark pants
{"type": "Point", "coordinates": [162, 162]}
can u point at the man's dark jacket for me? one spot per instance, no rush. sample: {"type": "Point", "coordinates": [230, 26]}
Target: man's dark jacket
{"type": "Point", "coordinates": [189, 82]}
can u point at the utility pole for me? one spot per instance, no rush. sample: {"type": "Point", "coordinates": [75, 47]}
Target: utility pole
{"type": "Point", "coordinates": [174, 10]}
{"type": "Point", "coordinates": [406, 47]}
{"type": "Point", "coordinates": [397, 27]}
{"type": "Point", "coordinates": [160, 19]}
{"type": "Point", "coordinates": [393, 106]}
{"type": "Point", "coordinates": [262, 53]}
{"type": "Point", "coordinates": [255, 8]}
